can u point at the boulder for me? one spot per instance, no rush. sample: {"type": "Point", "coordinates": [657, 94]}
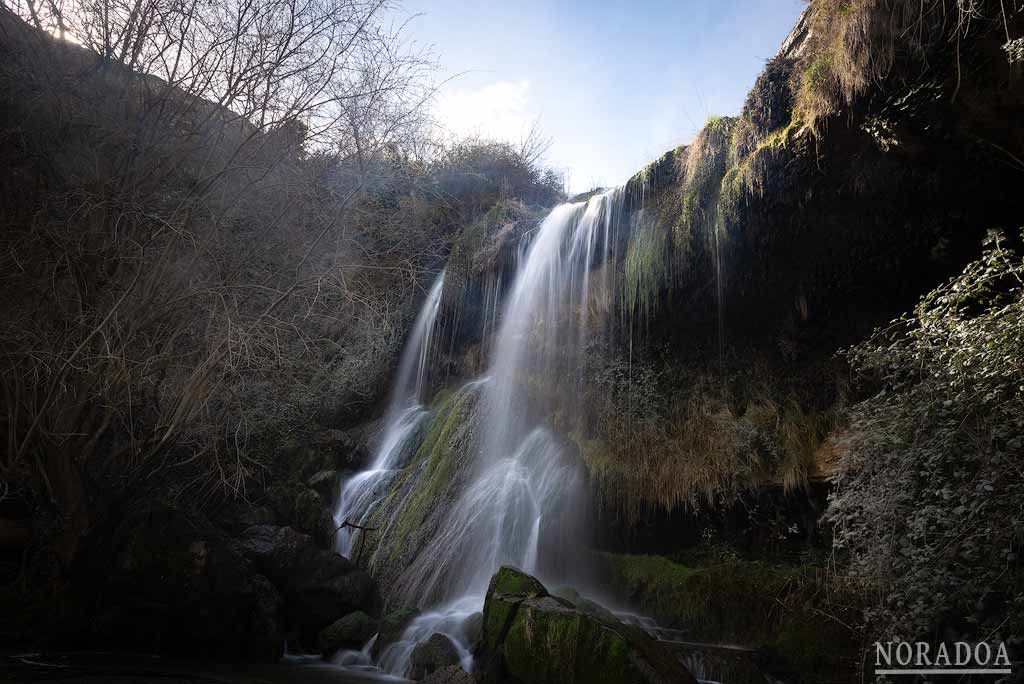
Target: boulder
{"type": "Point", "coordinates": [452, 674]}
{"type": "Point", "coordinates": [325, 482]}
{"type": "Point", "coordinates": [592, 608]}
{"type": "Point", "coordinates": [509, 580]}
{"type": "Point", "coordinates": [280, 499]}
{"type": "Point", "coordinates": [530, 636]}
{"type": "Point", "coordinates": [273, 548]}
{"type": "Point", "coordinates": [309, 511]}
{"type": "Point", "coordinates": [166, 580]}
{"type": "Point", "coordinates": [474, 629]}
{"type": "Point", "coordinates": [351, 631]}
{"type": "Point", "coordinates": [237, 516]}
{"type": "Point", "coordinates": [392, 627]}
{"type": "Point", "coordinates": [319, 586]}
{"type": "Point", "coordinates": [436, 652]}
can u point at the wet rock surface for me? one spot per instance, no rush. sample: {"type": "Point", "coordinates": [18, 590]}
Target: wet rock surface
{"type": "Point", "coordinates": [351, 631]}
{"type": "Point", "coordinates": [392, 627]}
{"type": "Point", "coordinates": [435, 653]}
{"type": "Point", "coordinates": [452, 674]}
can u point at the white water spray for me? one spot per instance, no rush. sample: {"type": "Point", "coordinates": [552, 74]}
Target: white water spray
{"type": "Point", "coordinates": [526, 503]}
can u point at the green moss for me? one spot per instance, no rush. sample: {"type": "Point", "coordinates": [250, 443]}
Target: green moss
{"type": "Point", "coordinates": [561, 645]}
{"type": "Point", "coordinates": [646, 269]}
{"type": "Point", "coordinates": [499, 612]}
{"type": "Point", "coordinates": [509, 580]}
{"type": "Point", "coordinates": [393, 626]}
{"type": "Point", "coordinates": [693, 209]}
{"type": "Point", "coordinates": [719, 124]}
{"type": "Point", "coordinates": [818, 73]}
{"type": "Point", "coordinates": [787, 611]}
{"type": "Point", "coordinates": [422, 485]}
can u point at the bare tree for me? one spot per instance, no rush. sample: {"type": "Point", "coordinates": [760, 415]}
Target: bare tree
{"type": "Point", "coordinates": [195, 248]}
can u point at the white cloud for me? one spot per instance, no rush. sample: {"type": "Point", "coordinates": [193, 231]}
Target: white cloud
{"type": "Point", "coordinates": [497, 110]}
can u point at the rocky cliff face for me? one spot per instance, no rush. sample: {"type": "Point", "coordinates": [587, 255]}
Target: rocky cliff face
{"type": "Point", "coordinates": [864, 169]}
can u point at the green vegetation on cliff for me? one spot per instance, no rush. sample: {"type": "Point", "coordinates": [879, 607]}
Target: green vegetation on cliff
{"type": "Point", "coordinates": [928, 502]}
{"type": "Point", "coordinates": [793, 614]}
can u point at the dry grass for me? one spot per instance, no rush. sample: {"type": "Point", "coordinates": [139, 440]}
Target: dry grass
{"type": "Point", "coordinates": [705, 448]}
{"type": "Point", "coordinates": [855, 43]}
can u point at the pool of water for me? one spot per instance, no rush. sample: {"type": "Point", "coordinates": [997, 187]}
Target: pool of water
{"type": "Point", "coordinates": [126, 668]}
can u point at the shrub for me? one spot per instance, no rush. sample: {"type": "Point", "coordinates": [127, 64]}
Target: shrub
{"type": "Point", "coordinates": [927, 504]}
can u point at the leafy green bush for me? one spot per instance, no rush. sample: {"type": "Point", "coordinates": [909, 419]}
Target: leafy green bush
{"type": "Point", "coordinates": [928, 502]}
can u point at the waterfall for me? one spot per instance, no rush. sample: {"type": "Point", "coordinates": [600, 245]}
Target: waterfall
{"type": "Point", "coordinates": [362, 493]}
{"type": "Point", "coordinates": [526, 501]}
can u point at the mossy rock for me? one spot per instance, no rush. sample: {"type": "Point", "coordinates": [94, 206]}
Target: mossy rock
{"type": "Point", "coordinates": [511, 583]}
{"type": "Point", "coordinates": [420, 495]}
{"type": "Point", "coordinates": [309, 511]}
{"type": "Point", "coordinates": [437, 652]}
{"type": "Point", "coordinates": [509, 580]}
{"type": "Point", "coordinates": [530, 636]}
{"type": "Point", "coordinates": [588, 606]}
{"type": "Point", "coordinates": [392, 627]}
{"type": "Point", "coordinates": [353, 630]}
{"type": "Point", "coordinates": [474, 629]}
{"type": "Point", "coordinates": [780, 610]}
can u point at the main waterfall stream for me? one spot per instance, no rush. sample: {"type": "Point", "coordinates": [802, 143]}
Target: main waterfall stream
{"type": "Point", "coordinates": [526, 500]}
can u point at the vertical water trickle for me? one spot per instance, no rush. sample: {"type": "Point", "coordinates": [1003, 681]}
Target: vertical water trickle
{"type": "Point", "coordinates": [717, 229]}
{"type": "Point", "coordinates": [361, 493]}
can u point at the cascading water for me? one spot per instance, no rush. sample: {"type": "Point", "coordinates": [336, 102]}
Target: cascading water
{"type": "Point", "coordinates": [526, 501]}
{"type": "Point", "coordinates": [362, 493]}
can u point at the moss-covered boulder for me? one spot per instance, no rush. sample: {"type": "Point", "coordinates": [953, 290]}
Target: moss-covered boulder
{"type": "Point", "coordinates": [509, 580]}
{"type": "Point", "coordinates": [530, 636]}
{"type": "Point", "coordinates": [392, 627]}
{"type": "Point", "coordinates": [351, 631]}
{"type": "Point", "coordinates": [437, 652]}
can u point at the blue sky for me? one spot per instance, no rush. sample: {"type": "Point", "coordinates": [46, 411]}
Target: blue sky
{"type": "Point", "coordinates": [614, 83]}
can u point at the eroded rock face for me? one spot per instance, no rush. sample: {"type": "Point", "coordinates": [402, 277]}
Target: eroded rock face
{"type": "Point", "coordinates": [530, 636]}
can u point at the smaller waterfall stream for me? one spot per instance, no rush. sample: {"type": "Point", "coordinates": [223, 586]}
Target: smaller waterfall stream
{"type": "Point", "coordinates": [362, 493]}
